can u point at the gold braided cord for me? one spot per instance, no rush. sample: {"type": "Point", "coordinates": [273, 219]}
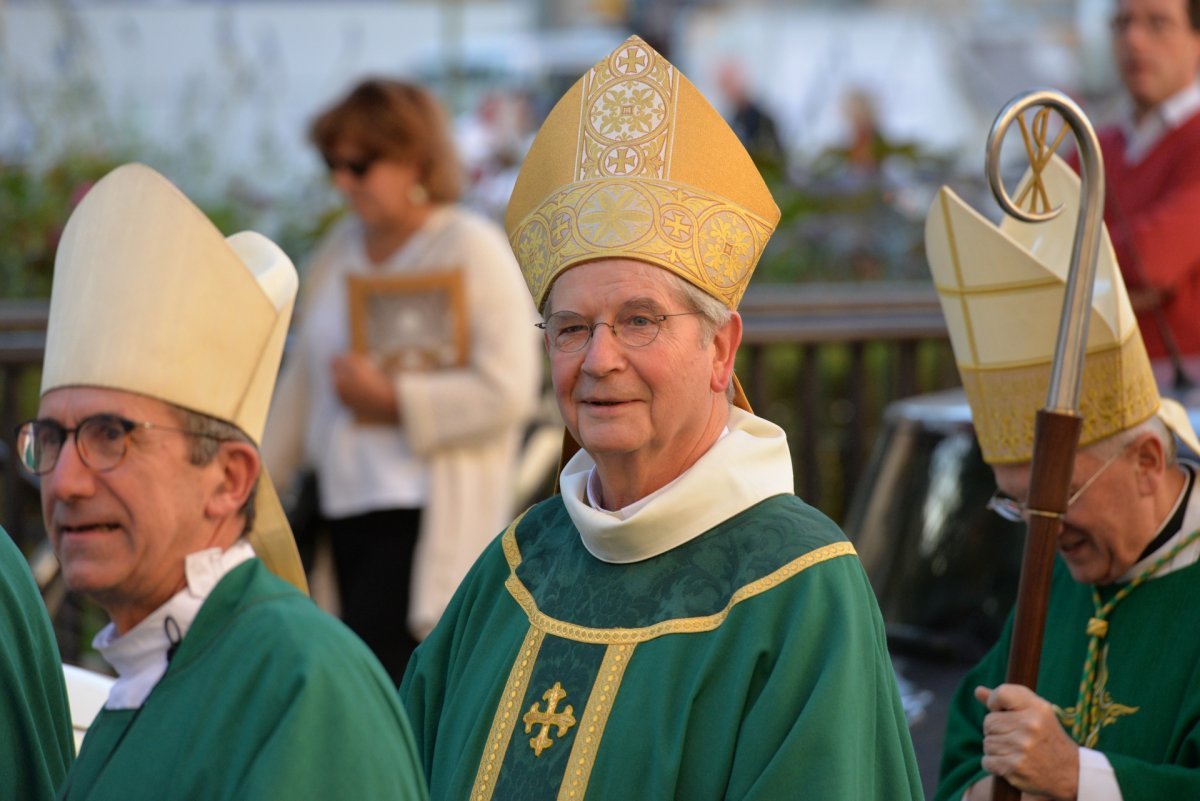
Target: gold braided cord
{"type": "Point", "coordinates": [1088, 716]}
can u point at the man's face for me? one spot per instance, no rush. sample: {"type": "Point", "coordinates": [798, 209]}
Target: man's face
{"type": "Point", "coordinates": [652, 404]}
{"type": "Point", "coordinates": [1156, 50]}
{"type": "Point", "coordinates": [121, 535]}
{"type": "Point", "coordinates": [1106, 528]}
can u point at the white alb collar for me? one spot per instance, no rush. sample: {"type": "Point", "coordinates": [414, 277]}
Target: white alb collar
{"type": "Point", "coordinates": [140, 655]}
{"type": "Point", "coordinates": [749, 464]}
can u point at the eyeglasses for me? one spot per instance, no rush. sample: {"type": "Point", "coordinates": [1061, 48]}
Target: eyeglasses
{"type": "Point", "coordinates": [1011, 509]}
{"type": "Point", "coordinates": [100, 441]}
{"type": "Point", "coordinates": [357, 167]}
{"type": "Point", "coordinates": [569, 332]}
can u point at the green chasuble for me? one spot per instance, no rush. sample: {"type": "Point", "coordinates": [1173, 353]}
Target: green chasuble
{"type": "Point", "coordinates": [267, 697]}
{"type": "Point", "coordinates": [746, 663]}
{"type": "Point", "coordinates": [1150, 693]}
{"type": "Point", "coordinates": [36, 744]}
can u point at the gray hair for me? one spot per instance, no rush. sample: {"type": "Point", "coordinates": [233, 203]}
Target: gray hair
{"type": "Point", "coordinates": [712, 312]}
{"type": "Point", "coordinates": [207, 435]}
{"type": "Point", "coordinates": [1112, 445]}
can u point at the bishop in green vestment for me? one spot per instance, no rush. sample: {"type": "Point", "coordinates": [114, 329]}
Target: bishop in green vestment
{"type": "Point", "coordinates": [163, 345]}
{"type": "Point", "coordinates": [676, 623]}
{"type": "Point", "coordinates": [36, 747]}
{"type": "Point", "coordinates": [1115, 715]}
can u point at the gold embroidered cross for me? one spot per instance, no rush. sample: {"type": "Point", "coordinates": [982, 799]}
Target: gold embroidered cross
{"type": "Point", "coordinates": [631, 61]}
{"type": "Point", "coordinates": [676, 225]}
{"type": "Point", "coordinates": [563, 720]}
{"type": "Point", "coordinates": [621, 160]}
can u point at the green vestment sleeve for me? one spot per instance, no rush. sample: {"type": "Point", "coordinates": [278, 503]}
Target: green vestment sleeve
{"type": "Point", "coordinates": [1150, 689]}
{"type": "Point", "coordinates": [36, 745]}
{"type": "Point", "coordinates": [747, 664]}
{"type": "Point", "coordinates": [267, 697]}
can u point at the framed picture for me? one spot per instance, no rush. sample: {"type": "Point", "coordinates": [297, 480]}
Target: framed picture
{"type": "Point", "coordinates": [409, 322]}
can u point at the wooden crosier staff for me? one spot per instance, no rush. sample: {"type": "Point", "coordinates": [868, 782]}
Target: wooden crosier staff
{"type": "Point", "coordinates": [1056, 433]}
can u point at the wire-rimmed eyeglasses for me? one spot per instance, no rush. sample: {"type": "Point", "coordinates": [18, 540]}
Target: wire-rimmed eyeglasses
{"type": "Point", "coordinates": [1011, 509]}
{"type": "Point", "coordinates": [100, 440]}
{"type": "Point", "coordinates": [570, 332]}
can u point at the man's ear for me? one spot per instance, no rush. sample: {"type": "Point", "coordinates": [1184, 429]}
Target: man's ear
{"type": "Point", "coordinates": [238, 466]}
{"type": "Point", "coordinates": [1150, 460]}
{"type": "Point", "coordinates": [725, 346]}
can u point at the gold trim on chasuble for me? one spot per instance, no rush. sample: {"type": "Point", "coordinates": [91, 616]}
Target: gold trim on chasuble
{"type": "Point", "coordinates": [505, 719]}
{"type": "Point", "coordinates": [622, 201]}
{"type": "Point", "coordinates": [621, 643]}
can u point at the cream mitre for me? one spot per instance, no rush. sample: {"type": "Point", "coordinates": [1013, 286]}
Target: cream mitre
{"type": "Point", "coordinates": [149, 297]}
{"type": "Point", "coordinates": [1001, 289]}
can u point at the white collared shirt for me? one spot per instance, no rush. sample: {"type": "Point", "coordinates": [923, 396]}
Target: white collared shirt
{"type": "Point", "coordinates": [1141, 137]}
{"type": "Point", "coordinates": [140, 655]}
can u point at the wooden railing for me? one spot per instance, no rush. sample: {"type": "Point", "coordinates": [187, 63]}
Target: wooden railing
{"type": "Point", "coordinates": [822, 360]}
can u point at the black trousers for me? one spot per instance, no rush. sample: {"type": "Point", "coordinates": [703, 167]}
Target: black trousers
{"type": "Point", "coordinates": [373, 558]}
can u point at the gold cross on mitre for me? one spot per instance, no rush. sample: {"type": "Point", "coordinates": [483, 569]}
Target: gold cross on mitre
{"type": "Point", "coordinates": [1039, 156]}
{"type": "Point", "coordinates": [563, 720]}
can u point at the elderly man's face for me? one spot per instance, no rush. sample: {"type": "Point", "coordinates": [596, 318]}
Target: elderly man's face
{"type": "Point", "coordinates": [121, 535]}
{"type": "Point", "coordinates": [652, 404]}
{"type": "Point", "coordinates": [1107, 527]}
{"type": "Point", "coordinates": [1157, 51]}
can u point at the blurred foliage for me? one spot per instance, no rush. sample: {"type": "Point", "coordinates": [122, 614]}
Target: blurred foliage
{"type": "Point", "coordinates": [34, 207]}
{"type": "Point", "coordinates": [842, 220]}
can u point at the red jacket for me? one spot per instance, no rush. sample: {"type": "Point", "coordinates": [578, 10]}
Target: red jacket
{"type": "Point", "coordinates": [1153, 216]}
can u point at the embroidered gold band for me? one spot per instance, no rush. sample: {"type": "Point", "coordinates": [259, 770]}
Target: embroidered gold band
{"type": "Point", "coordinates": [705, 239]}
{"type": "Point", "coordinates": [505, 718]}
{"type": "Point", "coordinates": [682, 625]}
{"type": "Point", "coordinates": [595, 718]}
{"type": "Point", "coordinates": [1118, 392]}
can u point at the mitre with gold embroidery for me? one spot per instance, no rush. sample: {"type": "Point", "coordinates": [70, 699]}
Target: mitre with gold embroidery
{"type": "Point", "coordinates": [634, 163]}
{"type": "Point", "coordinates": [1001, 290]}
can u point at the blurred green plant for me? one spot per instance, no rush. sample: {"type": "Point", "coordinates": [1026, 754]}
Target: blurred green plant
{"type": "Point", "coordinates": [34, 207]}
{"type": "Point", "coordinates": [840, 221]}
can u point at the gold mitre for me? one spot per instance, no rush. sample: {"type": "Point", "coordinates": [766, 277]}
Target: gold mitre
{"type": "Point", "coordinates": [634, 163]}
{"type": "Point", "coordinates": [1001, 290]}
{"type": "Point", "coordinates": [149, 297]}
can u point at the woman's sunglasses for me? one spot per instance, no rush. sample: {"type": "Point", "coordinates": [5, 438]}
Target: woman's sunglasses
{"type": "Point", "coordinates": [357, 167]}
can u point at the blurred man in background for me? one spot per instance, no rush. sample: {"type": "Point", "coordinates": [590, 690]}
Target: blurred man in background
{"type": "Point", "coordinates": [1152, 165]}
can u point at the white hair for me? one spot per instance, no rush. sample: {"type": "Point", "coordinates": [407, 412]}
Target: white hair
{"type": "Point", "coordinates": [1112, 445]}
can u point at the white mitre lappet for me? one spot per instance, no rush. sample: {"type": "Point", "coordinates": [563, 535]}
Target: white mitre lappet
{"type": "Point", "coordinates": [1001, 290]}
{"type": "Point", "coordinates": [149, 297]}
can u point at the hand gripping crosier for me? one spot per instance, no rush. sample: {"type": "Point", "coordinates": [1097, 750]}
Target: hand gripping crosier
{"type": "Point", "coordinates": [1059, 423]}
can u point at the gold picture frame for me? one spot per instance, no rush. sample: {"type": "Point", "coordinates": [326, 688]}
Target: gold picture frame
{"type": "Point", "coordinates": [409, 322]}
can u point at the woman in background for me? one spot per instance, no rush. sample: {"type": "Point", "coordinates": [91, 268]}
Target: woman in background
{"type": "Point", "coordinates": [413, 467]}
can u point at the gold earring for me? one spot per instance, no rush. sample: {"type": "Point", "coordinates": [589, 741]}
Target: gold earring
{"type": "Point", "coordinates": [418, 195]}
